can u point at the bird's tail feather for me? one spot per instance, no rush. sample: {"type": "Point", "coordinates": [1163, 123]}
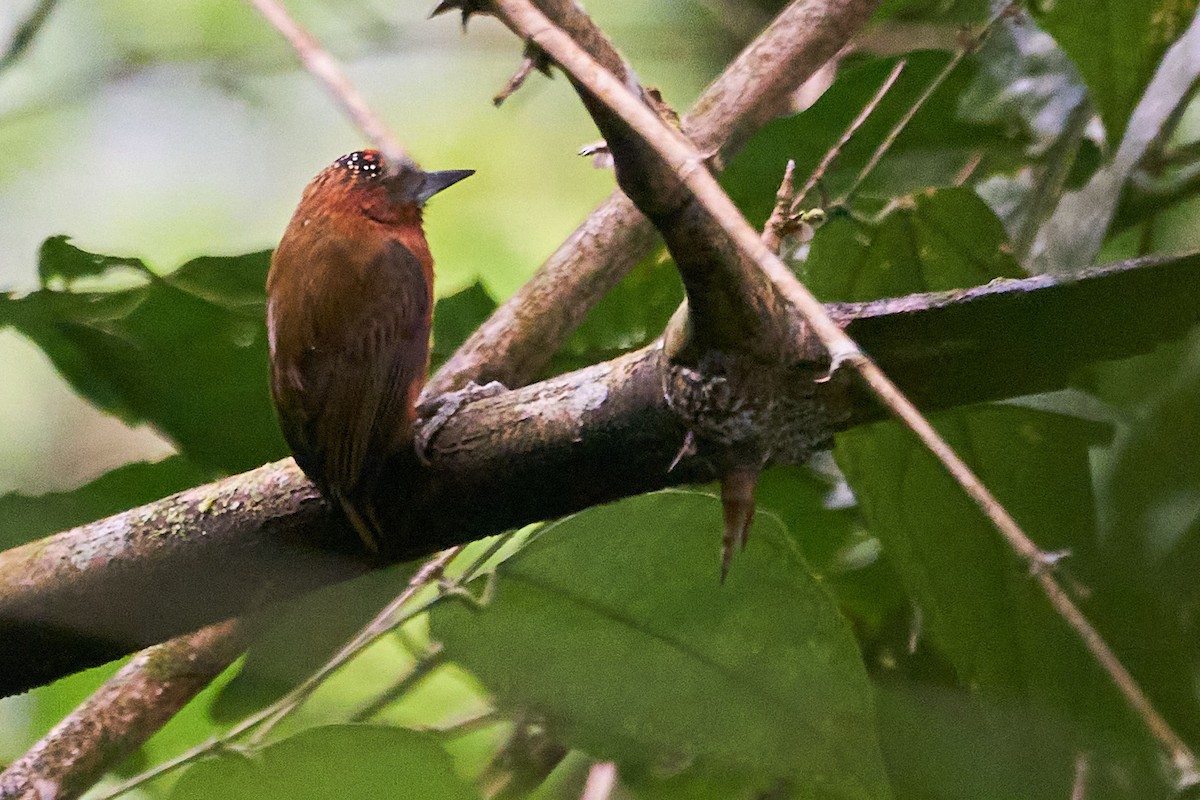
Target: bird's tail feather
{"type": "Point", "coordinates": [362, 520]}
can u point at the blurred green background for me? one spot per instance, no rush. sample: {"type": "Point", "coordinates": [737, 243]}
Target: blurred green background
{"type": "Point", "coordinates": [167, 131]}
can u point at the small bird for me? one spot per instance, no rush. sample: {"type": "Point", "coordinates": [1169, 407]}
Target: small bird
{"type": "Point", "coordinates": [349, 309]}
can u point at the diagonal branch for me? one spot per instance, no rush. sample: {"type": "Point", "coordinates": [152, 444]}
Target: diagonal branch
{"type": "Point", "coordinates": [519, 338]}
{"type": "Point", "coordinates": [688, 164]}
{"type": "Point", "coordinates": [546, 450]}
{"type": "Point", "coordinates": [115, 721]}
{"type": "Point", "coordinates": [323, 67]}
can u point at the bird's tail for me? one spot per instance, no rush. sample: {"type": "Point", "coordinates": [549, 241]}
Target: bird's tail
{"type": "Point", "coordinates": [362, 519]}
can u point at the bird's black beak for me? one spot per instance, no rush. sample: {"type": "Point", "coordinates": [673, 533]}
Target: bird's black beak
{"type": "Point", "coordinates": [434, 182]}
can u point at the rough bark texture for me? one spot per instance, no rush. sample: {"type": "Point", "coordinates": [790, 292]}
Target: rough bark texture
{"type": "Point", "coordinates": [516, 342]}
{"type": "Point", "coordinates": [117, 719]}
{"type": "Point", "coordinates": [105, 589]}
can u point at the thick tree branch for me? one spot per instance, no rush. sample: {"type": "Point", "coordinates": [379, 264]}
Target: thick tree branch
{"type": "Point", "coordinates": [598, 86]}
{"type": "Point", "coordinates": [115, 721]}
{"type": "Point", "coordinates": [516, 342]}
{"type": "Point", "coordinates": [122, 583]}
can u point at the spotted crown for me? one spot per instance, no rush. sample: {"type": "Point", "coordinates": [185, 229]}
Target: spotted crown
{"type": "Point", "coordinates": [366, 163]}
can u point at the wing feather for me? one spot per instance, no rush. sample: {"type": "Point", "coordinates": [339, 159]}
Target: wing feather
{"type": "Point", "coordinates": [350, 391]}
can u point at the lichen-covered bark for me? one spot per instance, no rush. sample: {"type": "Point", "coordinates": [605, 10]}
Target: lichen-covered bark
{"type": "Point", "coordinates": [105, 589]}
{"type": "Point", "coordinates": [124, 713]}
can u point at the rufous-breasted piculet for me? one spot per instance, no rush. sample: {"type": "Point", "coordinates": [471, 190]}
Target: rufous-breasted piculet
{"type": "Point", "coordinates": [349, 309]}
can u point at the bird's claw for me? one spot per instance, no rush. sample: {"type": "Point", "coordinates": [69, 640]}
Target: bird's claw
{"type": "Point", "coordinates": [433, 414]}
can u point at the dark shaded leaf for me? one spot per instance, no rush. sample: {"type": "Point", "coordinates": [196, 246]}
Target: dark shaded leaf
{"type": "Point", "coordinates": [978, 604]}
{"type": "Point", "coordinates": [951, 745]}
{"type": "Point", "coordinates": [456, 317]}
{"type": "Point", "coordinates": [947, 239]}
{"type": "Point", "coordinates": [930, 152]}
{"type": "Point", "coordinates": [654, 663]}
{"type": "Point", "coordinates": [343, 761]}
{"type": "Point", "coordinates": [1145, 569]}
{"type": "Point", "coordinates": [633, 314]}
{"type": "Point", "coordinates": [186, 353]}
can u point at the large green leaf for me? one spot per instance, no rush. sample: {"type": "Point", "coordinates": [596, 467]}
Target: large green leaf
{"type": "Point", "coordinates": [186, 352]}
{"type": "Point", "coordinates": [612, 626]}
{"type": "Point", "coordinates": [935, 241]}
{"type": "Point", "coordinates": [343, 761]}
{"type": "Point", "coordinates": [1116, 44]}
{"type": "Point", "coordinates": [978, 603]}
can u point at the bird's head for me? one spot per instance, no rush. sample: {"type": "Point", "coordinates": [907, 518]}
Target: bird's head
{"type": "Point", "coordinates": [402, 180]}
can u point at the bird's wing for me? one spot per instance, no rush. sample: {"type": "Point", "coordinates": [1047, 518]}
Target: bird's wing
{"type": "Point", "coordinates": [358, 381]}
{"type": "Point", "coordinates": [367, 411]}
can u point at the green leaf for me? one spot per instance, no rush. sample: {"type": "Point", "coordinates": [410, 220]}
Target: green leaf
{"type": "Point", "coordinates": [947, 239]}
{"type": "Point", "coordinates": [58, 260]}
{"type": "Point", "coordinates": [931, 151]}
{"type": "Point", "coordinates": [24, 519]}
{"type": "Point", "coordinates": [633, 314]}
{"type": "Point", "coordinates": [456, 317]}
{"type": "Point", "coordinates": [846, 557]}
{"type": "Point", "coordinates": [186, 353]}
{"type": "Point", "coordinates": [343, 761]}
{"type": "Point", "coordinates": [945, 743]}
{"type": "Point", "coordinates": [978, 604]}
{"type": "Point", "coordinates": [301, 636]}
{"type": "Point", "coordinates": [1116, 44]}
{"type": "Point", "coordinates": [1147, 596]}
{"type": "Point", "coordinates": [612, 626]}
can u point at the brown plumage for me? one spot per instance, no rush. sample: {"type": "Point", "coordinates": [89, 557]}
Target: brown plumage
{"type": "Point", "coordinates": [349, 308]}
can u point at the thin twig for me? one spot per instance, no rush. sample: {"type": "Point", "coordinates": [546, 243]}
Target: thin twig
{"type": "Point", "coordinates": [962, 52]}
{"type": "Point", "coordinates": [601, 780]}
{"type": "Point", "coordinates": [324, 68]}
{"type": "Point", "coordinates": [383, 622]}
{"type": "Point", "coordinates": [777, 224]}
{"type": "Point", "coordinates": [516, 81]}
{"type": "Point", "coordinates": [851, 129]}
{"type": "Point", "coordinates": [267, 718]}
{"type": "Point", "coordinates": [688, 164]}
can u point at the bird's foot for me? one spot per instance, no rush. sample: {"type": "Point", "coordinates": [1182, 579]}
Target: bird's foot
{"type": "Point", "coordinates": [737, 503]}
{"type": "Point", "coordinates": [435, 413]}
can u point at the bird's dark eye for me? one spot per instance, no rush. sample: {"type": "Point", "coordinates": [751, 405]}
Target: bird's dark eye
{"type": "Point", "coordinates": [365, 163]}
